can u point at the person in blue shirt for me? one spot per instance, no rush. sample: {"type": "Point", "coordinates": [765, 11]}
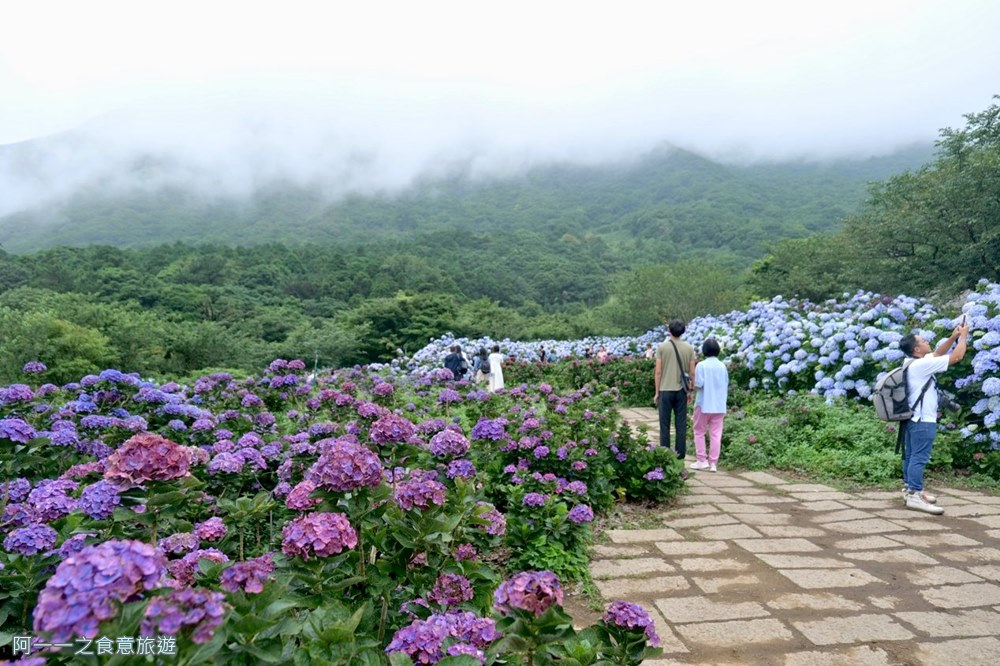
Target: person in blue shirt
{"type": "Point", "coordinates": [711, 383]}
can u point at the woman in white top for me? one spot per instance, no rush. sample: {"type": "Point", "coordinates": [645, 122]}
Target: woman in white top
{"type": "Point", "coordinates": [496, 369]}
{"type": "Point", "coordinates": [711, 381]}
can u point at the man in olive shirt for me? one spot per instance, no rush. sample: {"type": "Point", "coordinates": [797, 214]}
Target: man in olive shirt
{"type": "Point", "coordinates": [671, 399]}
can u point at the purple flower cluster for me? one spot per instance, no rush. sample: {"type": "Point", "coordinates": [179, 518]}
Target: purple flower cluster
{"type": "Point", "coordinates": [534, 499]}
{"type": "Point", "coordinates": [448, 396]}
{"type": "Point", "coordinates": [424, 640]}
{"type": "Point", "coordinates": [493, 429]}
{"type": "Point", "coordinates": [147, 457]}
{"type": "Point", "coordinates": [49, 499]}
{"type": "Point", "coordinates": [33, 367]}
{"type": "Point", "coordinates": [383, 389]}
{"type": "Point", "coordinates": [391, 429]}
{"type": "Point", "coordinates": [16, 430]}
{"type": "Point", "coordinates": [448, 444]}
{"type": "Point", "coordinates": [655, 474]}
{"type": "Point", "coordinates": [346, 465]}
{"type": "Point", "coordinates": [633, 618]}
{"type": "Point", "coordinates": [319, 534]}
{"type": "Point", "coordinates": [87, 588]}
{"type": "Point", "coordinates": [248, 576]}
{"type": "Point", "coordinates": [420, 491]}
{"type": "Point", "coordinates": [210, 530]}
{"type": "Point", "coordinates": [581, 513]}
{"type": "Point", "coordinates": [496, 523]}
{"type": "Point", "coordinates": [200, 610]}
{"type": "Point", "coordinates": [181, 542]}
{"type": "Point", "coordinates": [15, 490]}
{"type": "Point", "coordinates": [300, 497]}
{"type": "Point", "coordinates": [184, 569]}
{"type": "Point", "coordinates": [98, 500]}
{"type": "Point", "coordinates": [531, 591]}
{"type": "Point", "coordinates": [30, 540]}
{"type": "Point", "coordinates": [227, 462]}
{"type": "Point", "coordinates": [461, 469]}
{"type": "Point", "coordinates": [451, 590]}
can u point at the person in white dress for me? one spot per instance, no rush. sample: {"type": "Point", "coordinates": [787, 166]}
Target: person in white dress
{"type": "Point", "coordinates": [496, 370]}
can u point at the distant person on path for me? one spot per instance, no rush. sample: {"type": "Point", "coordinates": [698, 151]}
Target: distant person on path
{"type": "Point", "coordinates": [481, 366]}
{"type": "Point", "coordinates": [456, 362]}
{"type": "Point", "coordinates": [673, 357]}
{"type": "Point", "coordinates": [711, 382]}
{"type": "Point", "coordinates": [602, 355]}
{"type": "Point", "coordinates": [920, 430]}
{"type": "Point", "coordinates": [496, 369]}
{"type": "Point", "coordinates": [588, 352]}
{"type": "Point", "coordinates": [542, 355]}
{"type": "Point", "coordinates": [650, 353]}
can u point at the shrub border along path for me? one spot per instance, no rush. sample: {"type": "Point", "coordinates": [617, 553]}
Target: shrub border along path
{"type": "Point", "coordinates": [749, 568]}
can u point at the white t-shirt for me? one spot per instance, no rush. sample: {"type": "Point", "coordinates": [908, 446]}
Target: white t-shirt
{"type": "Point", "coordinates": [917, 373]}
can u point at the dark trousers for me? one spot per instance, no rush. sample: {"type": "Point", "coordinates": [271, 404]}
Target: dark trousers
{"type": "Point", "coordinates": [674, 403]}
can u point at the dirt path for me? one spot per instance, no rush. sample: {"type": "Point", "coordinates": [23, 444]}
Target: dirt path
{"type": "Point", "coordinates": [750, 568]}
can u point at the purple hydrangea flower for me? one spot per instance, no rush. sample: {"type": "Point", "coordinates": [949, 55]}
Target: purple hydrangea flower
{"type": "Point", "coordinates": [88, 587]}
{"type": "Point", "coordinates": [448, 396]}
{"type": "Point", "coordinates": [383, 389]}
{"type": "Point", "coordinates": [228, 462]}
{"type": "Point", "coordinates": [181, 542]}
{"type": "Point", "coordinates": [496, 523]}
{"type": "Point", "coordinates": [212, 529]}
{"type": "Point", "coordinates": [448, 444]}
{"type": "Point", "coordinates": [451, 590]}
{"type": "Point", "coordinates": [465, 551]}
{"type": "Point", "coordinates": [461, 469]}
{"type": "Point", "coordinates": [576, 487]}
{"type": "Point", "coordinates": [30, 540]}
{"type": "Point", "coordinates": [532, 591]}
{"type": "Point", "coordinates": [633, 618]}
{"type": "Point", "coordinates": [534, 499]}
{"type": "Point", "coordinates": [98, 500]}
{"type": "Point", "coordinates": [74, 544]}
{"type": "Point", "coordinates": [33, 367]}
{"type": "Point", "coordinates": [248, 576]}
{"type": "Point", "coordinates": [419, 491]}
{"type": "Point", "coordinates": [50, 501]}
{"type": "Point", "coordinates": [147, 457]}
{"type": "Point", "coordinates": [391, 429]}
{"type": "Point", "coordinates": [541, 451]}
{"type": "Point", "coordinates": [490, 429]}
{"type": "Point", "coordinates": [423, 640]}
{"type": "Point", "coordinates": [15, 490]}
{"type": "Point", "coordinates": [655, 474]}
{"type": "Point", "coordinates": [16, 430]}
{"type": "Point", "coordinates": [299, 498]}
{"type": "Point", "coordinates": [581, 513]}
{"type": "Point", "coordinates": [319, 534]}
{"type": "Point", "coordinates": [184, 569]}
{"type": "Point", "coordinates": [200, 610]}
{"type": "Point", "coordinates": [346, 465]}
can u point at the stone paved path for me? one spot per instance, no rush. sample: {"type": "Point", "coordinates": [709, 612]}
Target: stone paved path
{"type": "Point", "coordinates": [750, 568]}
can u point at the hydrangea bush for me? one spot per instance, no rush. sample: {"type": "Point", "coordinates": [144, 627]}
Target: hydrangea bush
{"type": "Point", "coordinates": [352, 517]}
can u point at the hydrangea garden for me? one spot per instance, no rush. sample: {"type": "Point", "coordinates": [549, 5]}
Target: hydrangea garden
{"type": "Point", "coordinates": [353, 517]}
{"type": "Point", "coordinates": [388, 513]}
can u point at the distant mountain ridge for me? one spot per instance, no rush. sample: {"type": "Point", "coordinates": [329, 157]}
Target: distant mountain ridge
{"type": "Point", "coordinates": [679, 201]}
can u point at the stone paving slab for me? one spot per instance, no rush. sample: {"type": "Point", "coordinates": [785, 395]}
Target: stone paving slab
{"type": "Point", "coordinates": [873, 526]}
{"type": "Point", "coordinates": [814, 601]}
{"type": "Point", "coordinates": [692, 547]}
{"type": "Point", "coordinates": [728, 532]}
{"type": "Point", "coordinates": [866, 543]}
{"type": "Point", "coordinates": [862, 655]}
{"type": "Point", "coordinates": [637, 536]}
{"type": "Point", "coordinates": [931, 540]}
{"type": "Point", "coordinates": [822, 505]}
{"type": "Point", "coordinates": [736, 508]}
{"type": "Point", "coordinates": [602, 551]}
{"type": "Point", "coordinates": [764, 478]}
{"type": "Point", "coordinates": [973, 555]}
{"type": "Point", "coordinates": [625, 588]}
{"type": "Point", "coordinates": [639, 566]}
{"type": "Point", "coordinates": [901, 556]}
{"type": "Point", "coordinates": [757, 519]}
{"type": "Point", "coordinates": [786, 531]}
{"type": "Point", "coordinates": [941, 576]}
{"type": "Point", "coordinates": [804, 562]}
{"type": "Point", "coordinates": [736, 632]}
{"type": "Point", "coordinates": [954, 624]}
{"type": "Point", "coordinates": [963, 596]}
{"type": "Point", "coordinates": [715, 585]}
{"type": "Point", "coordinates": [778, 545]}
{"type": "Point", "coordinates": [817, 579]}
{"type": "Point", "coordinates": [702, 564]}
{"type": "Point", "coordinates": [703, 521]}
{"type": "Point", "coordinates": [855, 629]}
{"type": "Point", "coordinates": [963, 652]}
{"type": "Point", "coordinates": [988, 571]}
{"type": "Point", "coordinates": [840, 516]}
{"type": "Point", "coordinates": [680, 610]}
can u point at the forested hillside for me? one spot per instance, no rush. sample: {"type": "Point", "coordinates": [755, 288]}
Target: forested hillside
{"type": "Point", "coordinates": [669, 203]}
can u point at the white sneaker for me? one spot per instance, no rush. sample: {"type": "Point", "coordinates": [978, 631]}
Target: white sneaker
{"type": "Point", "coordinates": [917, 503]}
{"type": "Point", "coordinates": [927, 497]}
{"type": "Point", "coordinates": [698, 465]}
{"type": "Point", "coordinates": [712, 468]}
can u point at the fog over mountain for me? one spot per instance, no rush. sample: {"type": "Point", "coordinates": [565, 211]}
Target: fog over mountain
{"type": "Point", "coordinates": [222, 99]}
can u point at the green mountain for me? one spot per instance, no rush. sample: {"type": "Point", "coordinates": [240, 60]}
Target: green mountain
{"type": "Point", "coordinates": [669, 203]}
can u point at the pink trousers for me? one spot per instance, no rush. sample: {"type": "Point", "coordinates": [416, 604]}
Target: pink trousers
{"type": "Point", "coordinates": [712, 423]}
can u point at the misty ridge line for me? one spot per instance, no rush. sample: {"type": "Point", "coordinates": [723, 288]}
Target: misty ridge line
{"type": "Point", "coordinates": [219, 159]}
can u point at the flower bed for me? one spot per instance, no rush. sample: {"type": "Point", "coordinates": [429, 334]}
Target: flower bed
{"type": "Point", "coordinates": [349, 519]}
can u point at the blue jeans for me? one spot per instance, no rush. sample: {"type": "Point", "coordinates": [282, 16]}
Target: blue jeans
{"type": "Point", "coordinates": [918, 443]}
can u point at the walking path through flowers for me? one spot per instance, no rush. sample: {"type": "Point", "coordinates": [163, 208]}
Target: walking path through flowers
{"type": "Point", "coordinates": [750, 568]}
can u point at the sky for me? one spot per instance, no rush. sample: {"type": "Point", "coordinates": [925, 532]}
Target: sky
{"type": "Point", "coordinates": [368, 95]}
